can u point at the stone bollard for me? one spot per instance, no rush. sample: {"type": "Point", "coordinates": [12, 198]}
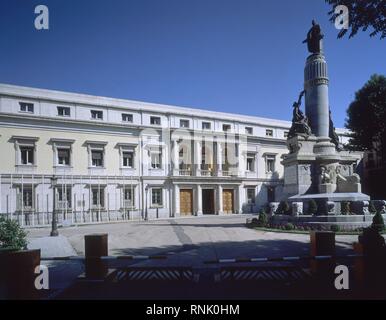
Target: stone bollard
{"type": "Point", "coordinates": [323, 244]}
{"type": "Point", "coordinates": [96, 246]}
{"type": "Point", "coordinates": [359, 265]}
{"type": "Point", "coordinates": [17, 278]}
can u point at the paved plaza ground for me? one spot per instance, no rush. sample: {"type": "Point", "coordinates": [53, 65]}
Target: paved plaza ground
{"type": "Point", "coordinates": [187, 242]}
{"type": "Point", "coordinates": [193, 240]}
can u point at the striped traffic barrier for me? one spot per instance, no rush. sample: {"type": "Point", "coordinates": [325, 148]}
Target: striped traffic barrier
{"type": "Point", "coordinates": [278, 259]}
{"type": "Point", "coordinates": [286, 274]}
{"type": "Point", "coordinates": [160, 273]}
{"type": "Point", "coordinates": [127, 257]}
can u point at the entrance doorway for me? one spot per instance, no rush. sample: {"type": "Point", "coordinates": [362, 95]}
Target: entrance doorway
{"type": "Point", "coordinates": [186, 202]}
{"type": "Point", "coordinates": [207, 201]}
{"type": "Point", "coordinates": [227, 201]}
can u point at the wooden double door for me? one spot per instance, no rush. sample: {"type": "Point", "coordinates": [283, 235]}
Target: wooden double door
{"type": "Point", "coordinates": [227, 201]}
{"type": "Point", "coordinates": [186, 202]}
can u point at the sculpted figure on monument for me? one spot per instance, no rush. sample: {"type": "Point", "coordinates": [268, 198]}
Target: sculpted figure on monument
{"type": "Point", "coordinates": [314, 38]}
{"type": "Point", "coordinates": [299, 120]}
{"type": "Point", "coordinates": [332, 134]}
{"type": "Point", "coordinates": [324, 175]}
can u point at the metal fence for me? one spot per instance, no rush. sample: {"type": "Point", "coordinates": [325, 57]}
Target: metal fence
{"type": "Point", "coordinates": [29, 199]}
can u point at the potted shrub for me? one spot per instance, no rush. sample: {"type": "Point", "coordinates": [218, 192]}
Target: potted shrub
{"type": "Point", "coordinates": [263, 219]}
{"type": "Point", "coordinates": [17, 267]}
{"type": "Point", "coordinates": [289, 226]}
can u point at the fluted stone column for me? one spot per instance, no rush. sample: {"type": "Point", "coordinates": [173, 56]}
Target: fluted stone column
{"type": "Point", "coordinates": [316, 96]}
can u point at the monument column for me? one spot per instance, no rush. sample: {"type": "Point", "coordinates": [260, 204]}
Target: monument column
{"type": "Point", "coordinates": [316, 94]}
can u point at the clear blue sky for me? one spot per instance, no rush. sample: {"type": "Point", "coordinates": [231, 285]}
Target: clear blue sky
{"type": "Point", "coordinates": [243, 56]}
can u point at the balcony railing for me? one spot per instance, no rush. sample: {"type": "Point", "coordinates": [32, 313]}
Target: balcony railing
{"type": "Point", "coordinates": [207, 170]}
{"type": "Point", "coordinates": [185, 172]}
{"type": "Point", "coordinates": [207, 173]}
{"type": "Point", "coordinates": [226, 173]}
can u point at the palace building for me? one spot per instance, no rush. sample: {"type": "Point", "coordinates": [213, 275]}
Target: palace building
{"type": "Point", "coordinates": [99, 159]}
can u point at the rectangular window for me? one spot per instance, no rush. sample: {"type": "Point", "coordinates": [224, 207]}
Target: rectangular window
{"type": "Point", "coordinates": [270, 164]}
{"type": "Point", "coordinates": [226, 127]}
{"type": "Point", "coordinates": [126, 117]}
{"type": "Point", "coordinates": [26, 107]}
{"type": "Point", "coordinates": [64, 157]}
{"type": "Point", "coordinates": [155, 121]}
{"type": "Point", "coordinates": [128, 197]}
{"type": "Point", "coordinates": [96, 114]}
{"type": "Point", "coordinates": [269, 133]}
{"type": "Point", "coordinates": [97, 158]}
{"type": "Point", "coordinates": [64, 111]}
{"type": "Point", "coordinates": [251, 195]}
{"type": "Point", "coordinates": [27, 155]}
{"type": "Point", "coordinates": [250, 162]}
{"type": "Point", "coordinates": [285, 134]}
{"type": "Point", "coordinates": [27, 198]}
{"type": "Point", "coordinates": [156, 197]}
{"type": "Point", "coordinates": [98, 199]}
{"type": "Point", "coordinates": [249, 130]}
{"type": "Point", "coordinates": [184, 123]}
{"type": "Point", "coordinates": [206, 125]}
{"type": "Point", "coordinates": [64, 197]}
{"type": "Point", "coordinates": [156, 160]}
{"type": "Point", "coordinates": [127, 159]}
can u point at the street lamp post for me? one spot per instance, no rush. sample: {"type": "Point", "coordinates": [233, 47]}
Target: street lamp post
{"type": "Point", "coordinates": [147, 196]}
{"type": "Point", "coordinates": [54, 227]}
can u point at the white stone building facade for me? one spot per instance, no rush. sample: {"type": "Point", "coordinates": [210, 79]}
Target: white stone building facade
{"type": "Point", "coordinates": [103, 159]}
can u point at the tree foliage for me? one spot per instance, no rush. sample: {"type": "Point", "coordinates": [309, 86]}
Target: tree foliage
{"type": "Point", "coordinates": [263, 219]}
{"type": "Point", "coordinates": [378, 222]}
{"type": "Point", "coordinates": [283, 208]}
{"type": "Point", "coordinates": [362, 15]}
{"type": "Point", "coordinates": [11, 235]}
{"type": "Point", "coordinates": [366, 115]}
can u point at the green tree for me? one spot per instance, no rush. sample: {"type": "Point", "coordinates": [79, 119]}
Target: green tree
{"type": "Point", "coordinates": [378, 222]}
{"type": "Point", "coordinates": [366, 115]}
{"type": "Point", "coordinates": [372, 208]}
{"type": "Point", "coordinates": [283, 208]}
{"type": "Point", "coordinates": [362, 15]}
{"type": "Point", "coordinates": [11, 235]}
